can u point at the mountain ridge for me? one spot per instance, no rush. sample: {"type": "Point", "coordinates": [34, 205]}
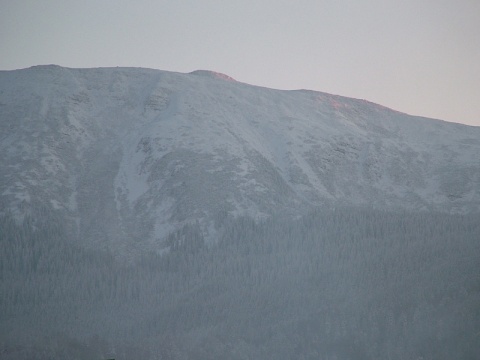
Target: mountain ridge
{"type": "Point", "coordinates": [131, 153]}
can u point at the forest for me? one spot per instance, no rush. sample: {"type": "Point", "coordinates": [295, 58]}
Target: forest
{"type": "Point", "coordinates": [342, 283]}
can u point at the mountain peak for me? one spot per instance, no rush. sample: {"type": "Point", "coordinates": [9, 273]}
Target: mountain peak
{"type": "Point", "coordinates": [212, 74]}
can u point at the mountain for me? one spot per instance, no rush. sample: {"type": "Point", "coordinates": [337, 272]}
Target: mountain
{"type": "Point", "coordinates": [127, 153]}
{"type": "Point", "coordinates": [149, 215]}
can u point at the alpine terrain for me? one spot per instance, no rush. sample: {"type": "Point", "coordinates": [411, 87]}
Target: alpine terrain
{"type": "Point", "coordinates": [159, 215]}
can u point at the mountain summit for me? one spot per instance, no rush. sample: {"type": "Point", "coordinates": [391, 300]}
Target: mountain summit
{"type": "Point", "coordinates": [128, 153]}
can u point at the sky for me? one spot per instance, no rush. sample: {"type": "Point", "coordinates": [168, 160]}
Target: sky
{"type": "Point", "coordinates": [421, 57]}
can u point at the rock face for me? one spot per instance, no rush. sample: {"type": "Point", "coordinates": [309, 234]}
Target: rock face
{"type": "Point", "coordinates": [128, 156]}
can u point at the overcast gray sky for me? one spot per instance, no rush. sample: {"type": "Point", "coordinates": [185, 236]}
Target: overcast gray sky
{"type": "Point", "coordinates": [416, 56]}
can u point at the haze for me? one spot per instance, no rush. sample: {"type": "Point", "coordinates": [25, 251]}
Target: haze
{"type": "Point", "coordinates": [421, 58]}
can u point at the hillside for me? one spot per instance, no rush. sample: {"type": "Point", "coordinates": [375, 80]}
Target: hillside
{"type": "Point", "coordinates": [154, 215]}
{"type": "Point", "coordinates": [123, 153]}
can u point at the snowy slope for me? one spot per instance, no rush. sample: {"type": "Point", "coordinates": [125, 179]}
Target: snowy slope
{"type": "Point", "coordinates": [127, 156]}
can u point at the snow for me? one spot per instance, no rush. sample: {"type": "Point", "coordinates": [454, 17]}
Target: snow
{"type": "Point", "coordinates": [139, 151]}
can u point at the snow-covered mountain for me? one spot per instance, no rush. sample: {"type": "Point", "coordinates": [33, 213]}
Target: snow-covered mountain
{"type": "Point", "coordinates": [127, 156]}
{"type": "Point", "coordinates": [369, 248]}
